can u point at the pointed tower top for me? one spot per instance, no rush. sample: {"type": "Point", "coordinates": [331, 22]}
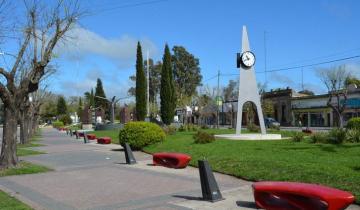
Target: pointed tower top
{"type": "Point", "coordinates": [245, 40]}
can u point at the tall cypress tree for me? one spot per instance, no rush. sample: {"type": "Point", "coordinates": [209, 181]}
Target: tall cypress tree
{"type": "Point", "coordinates": [167, 96]}
{"type": "Point", "coordinates": [99, 91]}
{"type": "Point", "coordinates": [61, 106]}
{"type": "Point", "coordinates": [80, 107]}
{"type": "Point", "coordinates": [140, 90]}
{"type": "Point", "coordinates": [92, 98]}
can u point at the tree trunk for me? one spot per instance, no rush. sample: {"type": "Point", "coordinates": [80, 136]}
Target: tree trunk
{"type": "Point", "coordinates": [24, 128]}
{"type": "Point", "coordinates": [8, 157]}
{"type": "Point", "coordinates": [341, 120]}
{"type": "Point", "coordinates": [34, 124]}
{"type": "Point", "coordinates": [30, 126]}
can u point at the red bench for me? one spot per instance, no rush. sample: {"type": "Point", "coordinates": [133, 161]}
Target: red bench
{"type": "Point", "coordinates": [302, 196]}
{"type": "Point", "coordinates": [91, 136]}
{"type": "Point", "coordinates": [171, 160]}
{"type": "Point", "coordinates": [104, 140]}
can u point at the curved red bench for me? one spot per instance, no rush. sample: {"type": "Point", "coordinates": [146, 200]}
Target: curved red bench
{"type": "Point", "coordinates": [91, 136]}
{"type": "Point", "coordinates": [104, 140]}
{"type": "Point", "coordinates": [171, 160]}
{"type": "Point", "coordinates": [301, 196]}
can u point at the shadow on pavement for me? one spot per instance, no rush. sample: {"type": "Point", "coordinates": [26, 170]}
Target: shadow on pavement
{"type": "Point", "coordinates": [188, 197]}
{"type": "Point", "coordinates": [246, 204]}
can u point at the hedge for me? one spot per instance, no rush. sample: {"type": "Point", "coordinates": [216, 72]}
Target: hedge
{"type": "Point", "coordinates": [141, 134]}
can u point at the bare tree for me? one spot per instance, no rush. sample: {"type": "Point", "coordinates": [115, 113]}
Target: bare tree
{"type": "Point", "coordinates": [334, 80]}
{"type": "Point", "coordinates": [45, 26]}
{"type": "Point", "coordinates": [30, 113]}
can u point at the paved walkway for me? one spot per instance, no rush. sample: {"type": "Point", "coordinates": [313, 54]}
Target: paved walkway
{"type": "Point", "coordinates": [91, 176]}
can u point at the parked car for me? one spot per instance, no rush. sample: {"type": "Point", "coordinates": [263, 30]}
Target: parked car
{"type": "Point", "coordinates": [271, 122]}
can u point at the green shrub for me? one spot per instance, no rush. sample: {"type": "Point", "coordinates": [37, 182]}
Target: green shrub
{"type": "Point", "coordinates": [337, 136]}
{"type": "Point", "coordinates": [274, 127]}
{"type": "Point", "coordinates": [353, 135]}
{"type": "Point", "coordinates": [253, 128]}
{"type": "Point", "coordinates": [297, 136]}
{"type": "Point", "coordinates": [319, 137]}
{"type": "Point", "coordinates": [202, 137]}
{"type": "Point", "coordinates": [169, 130]}
{"type": "Point", "coordinates": [58, 124]}
{"type": "Point", "coordinates": [141, 134]}
{"type": "Point", "coordinates": [66, 119]}
{"type": "Point", "coordinates": [204, 126]}
{"type": "Point", "coordinates": [182, 128]}
{"type": "Point", "coordinates": [188, 127]}
{"type": "Point", "coordinates": [353, 123]}
{"type": "Point", "coordinates": [192, 127]}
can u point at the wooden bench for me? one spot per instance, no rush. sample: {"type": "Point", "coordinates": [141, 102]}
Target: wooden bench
{"type": "Point", "coordinates": [91, 136]}
{"type": "Point", "coordinates": [171, 160]}
{"type": "Point", "coordinates": [104, 140]}
{"type": "Point", "coordinates": [302, 196]}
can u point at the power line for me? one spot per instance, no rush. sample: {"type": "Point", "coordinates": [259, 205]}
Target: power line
{"type": "Point", "coordinates": [215, 76]}
{"type": "Point", "coordinates": [323, 57]}
{"type": "Point", "coordinates": [289, 68]}
{"type": "Point", "coordinates": [108, 9]}
{"type": "Point", "coordinates": [313, 64]}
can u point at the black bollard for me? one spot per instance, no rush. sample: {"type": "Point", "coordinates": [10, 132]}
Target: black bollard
{"type": "Point", "coordinates": [86, 140]}
{"type": "Point", "coordinates": [130, 159]}
{"type": "Point", "coordinates": [209, 187]}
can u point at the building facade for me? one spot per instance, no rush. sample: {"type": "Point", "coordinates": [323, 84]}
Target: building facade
{"type": "Point", "coordinates": [311, 111]}
{"type": "Point", "coordinates": [290, 108]}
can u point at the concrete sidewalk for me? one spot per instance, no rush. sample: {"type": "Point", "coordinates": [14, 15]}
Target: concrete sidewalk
{"type": "Point", "coordinates": [91, 176]}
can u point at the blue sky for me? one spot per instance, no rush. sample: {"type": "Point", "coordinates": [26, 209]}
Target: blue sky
{"type": "Point", "coordinates": [297, 33]}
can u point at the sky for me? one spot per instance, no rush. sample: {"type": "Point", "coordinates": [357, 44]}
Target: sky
{"type": "Point", "coordinates": [294, 33]}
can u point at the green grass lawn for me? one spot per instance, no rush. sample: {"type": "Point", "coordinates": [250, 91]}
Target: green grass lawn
{"type": "Point", "coordinates": [24, 168]}
{"type": "Point", "coordinates": [25, 149]}
{"type": "Point", "coordinates": [26, 152]}
{"type": "Point", "coordinates": [279, 160]}
{"type": "Point", "coordinates": [7, 202]}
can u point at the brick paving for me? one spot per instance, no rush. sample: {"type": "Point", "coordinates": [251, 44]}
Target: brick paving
{"type": "Point", "coordinates": [92, 176]}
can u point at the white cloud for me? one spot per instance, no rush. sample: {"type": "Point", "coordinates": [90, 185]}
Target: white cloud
{"type": "Point", "coordinates": [82, 42]}
{"type": "Point", "coordinates": [70, 88]}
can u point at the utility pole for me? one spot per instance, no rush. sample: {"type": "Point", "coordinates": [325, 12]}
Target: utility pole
{"type": "Point", "coordinates": [302, 78]}
{"type": "Point", "coordinates": [217, 98]}
{"type": "Point", "coordinates": [148, 91]}
{"type": "Point", "coordinates": [265, 54]}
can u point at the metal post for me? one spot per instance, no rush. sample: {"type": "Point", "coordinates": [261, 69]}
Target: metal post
{"type": "Point", "coordinates": [217, 99]}
{"type": "Point", "coordinates": [265, 53]}
{"type": "Point", "coordinates": [148, 81]}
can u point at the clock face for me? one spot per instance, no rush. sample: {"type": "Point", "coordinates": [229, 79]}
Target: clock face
{"type": "Point", "coordinates": [248, 59]}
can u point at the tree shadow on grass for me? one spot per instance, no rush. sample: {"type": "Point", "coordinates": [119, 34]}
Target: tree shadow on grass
{"type": "Point", "coordinates": [326, 148]}
{"type": "Point", "coordinates": [296, 148]}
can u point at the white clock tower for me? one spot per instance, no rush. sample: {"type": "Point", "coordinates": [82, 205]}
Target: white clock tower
{"type": "Point", "coordinates": [248, 90]}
